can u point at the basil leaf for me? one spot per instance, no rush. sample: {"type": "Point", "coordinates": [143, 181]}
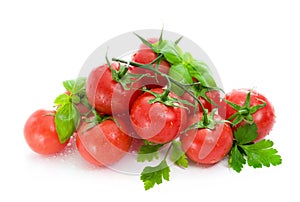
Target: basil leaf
{"type": "Point", "coordinates": [67, 119]}
{"type": "Point", "coordinates": [69, 84]}
{"type": "Point", "coordinates": [171, 51]}
{"type": "Point", "coordinates": [180, 74]}
{"type": "Point", "coordinates": [75, 86]}
{"type": "Point", "coordinates": [62, 99]}
{"type": "Point", "coordinates": [79, 85]}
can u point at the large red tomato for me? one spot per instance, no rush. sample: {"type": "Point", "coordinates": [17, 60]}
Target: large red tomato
{"type": "Point", "coordinates": [207, 146]}
{"type": "Point", "coordinates": [106, 95]}
{"type": "Point", "coordinates": [263, 117]}
{"type": "Point", "coordinates": [157, 122]}
{"type": "Point", "coordinates": [103, 144]}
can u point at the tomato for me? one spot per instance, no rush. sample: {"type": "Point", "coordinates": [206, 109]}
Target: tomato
{"type": "Point", "coordinates": [157, 122]}
{"type": "Point", "coordinates": [145, 56]}
{"type": "Point", "coordinates": [264, 117]}
{"type": "Point", "coordinates": [103, 144]}
{"type": "Point", "coordinates": [213, 95]}
{"type": "Point", "coordinates": [40, 133]}
{"type": "Point", "coordinates": [207, 146]}
{"type": "Point", "coordinates": [106, 95]}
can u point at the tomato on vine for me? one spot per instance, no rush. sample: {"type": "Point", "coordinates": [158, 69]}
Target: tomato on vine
{"type": "Point", "coordinates": [207, 143]}
{"type": "Point", "coordinates": [101, 142]}
{"type": "Point", "coordinates": [105, 91]}
{"type": "Point", "coordinates": [249, 106]}
{"type": "Point", "coordinates": [157, 116]}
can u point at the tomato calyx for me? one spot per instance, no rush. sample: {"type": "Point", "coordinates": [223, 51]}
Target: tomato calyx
{"type": "Point", "coordinates": [95, 120]}
{"type": "Point", "coordinates": [206, 122]}
{"type": "Point", "coordinates": [201, 90]}
{"type": "Point", "coordinates": [122, 75]}
{"type": "Point", "coordinates": [167, 100]}
{"type": "Point", "coordinates": [244, 112]}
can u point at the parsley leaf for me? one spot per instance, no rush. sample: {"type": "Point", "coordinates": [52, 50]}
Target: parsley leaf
{"type": "Point", "coordinates": [178, 156]}
{"type": "Point", "coordinates": [236, 159]}
{"type": "Point", "coordinates": [148, 152]}
{"type": "Point", "coordinates": [256, 154]}
{"type": "Point", "coordinates": [246, 134]}
{"type": "Point", "coordinates": [262, 154]}
{"type": "Point", "coordinates": [155, 175]}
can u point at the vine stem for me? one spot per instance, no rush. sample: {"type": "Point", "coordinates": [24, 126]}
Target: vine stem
{"type": "Point", "coordinates": [170, 79]}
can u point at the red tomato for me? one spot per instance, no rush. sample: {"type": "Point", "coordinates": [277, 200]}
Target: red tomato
{"type": "Point", "coordinates": [40, 133]}
{"type": "Point", "coordinates": [103, 144]}
{"type": "Point", "coordinates": [157, 122]}
{"type": "Point", "coordinates": [264, 117]}
{"type": "Point", "coordinates": [106, 95]}
{"type": "Point", "coordinates": [214, 95]}
{"type": "Point", "coordinates": [206, 146]}
{"type": "Point", "coordinates": [145, 56]}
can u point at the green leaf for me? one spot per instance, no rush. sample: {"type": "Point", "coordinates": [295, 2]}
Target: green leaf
{"type": "Point", "coordinates": [69, 84]}
{"type": "Point", "coordinates": [180, 74]}
{"type": "Point", "coordinates": [75, 99]}
{"type": "Point", "coordinates": [178, 156]}
{"type": "Point", "coordinates": [79, 85]}
{"type": "Point", "coordinates": [200, 71]}
{"type": "Point", "coordinates": [262, 154]}
{"type": "Point", "coordinates": [171, 51]}
{"type": "Point", "coordinates": [67, 119]}
{"type": "Point", "coordinates": [246, 133]}
{"type": "Point", "coordinates": [146, 42]}
{"type": "Point", "coordinates": [155, 175]}
{"type": "Point", "coordinates": [62, 99]}
{"type": "Point", "coordinates": [148, 152]}
{"type": "Point", "coordinates": [75, 86]}
{"type": "Point", "coordinates": [236, 159]}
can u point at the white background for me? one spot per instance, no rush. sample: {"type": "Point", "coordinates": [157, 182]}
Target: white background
{"type": "Point", "coordinates": [42, 43]}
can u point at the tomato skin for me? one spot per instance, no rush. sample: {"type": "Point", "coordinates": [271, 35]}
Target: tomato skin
{"type": "Point", "coordinates": [103, 144]}
{"type": "Point", "coordinates": [157, 122]}
{"type": "Point", "coordinates": [106, 95]}
{"type": "Point", "coordinates": [40, 133]}
{"type": "Point", "coordinates": [214, 95]}
{"type": "Point", "coordinates": [146, 56]}
{"type": "Point", "coordinates": [85, 154]}
{"type": "Point", "coordinates": [264, 117]}
{"type": "Point", "coordinates": [206, 146]}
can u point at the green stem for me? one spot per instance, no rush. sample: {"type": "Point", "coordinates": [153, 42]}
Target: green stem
{"type": "Point", "coordinates": [180, 85]}
{"type": "Point", "coordinates": [165, 94]}
{"type": "Point", "coordinates": [123, 72]}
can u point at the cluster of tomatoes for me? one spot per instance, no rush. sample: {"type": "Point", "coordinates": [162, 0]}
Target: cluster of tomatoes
{"type": "Point", "coordinates": [120, 115]}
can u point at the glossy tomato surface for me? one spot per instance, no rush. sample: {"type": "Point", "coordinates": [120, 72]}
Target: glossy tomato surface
{"type": "Point", "coordinates": [264, 117]}
{"type": "Point", "coordinates": [106, 95]}
{"type": "Point", "coordinates": [145, 56]}
{"type": "Point", "coordinates": [207, 146]}
{"type": "Point", "coordinates": [40, 133]}
{"type": "Point", "coordinates": [157, 122]}
{"type": "Point", "coordinates": [103, 144]}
